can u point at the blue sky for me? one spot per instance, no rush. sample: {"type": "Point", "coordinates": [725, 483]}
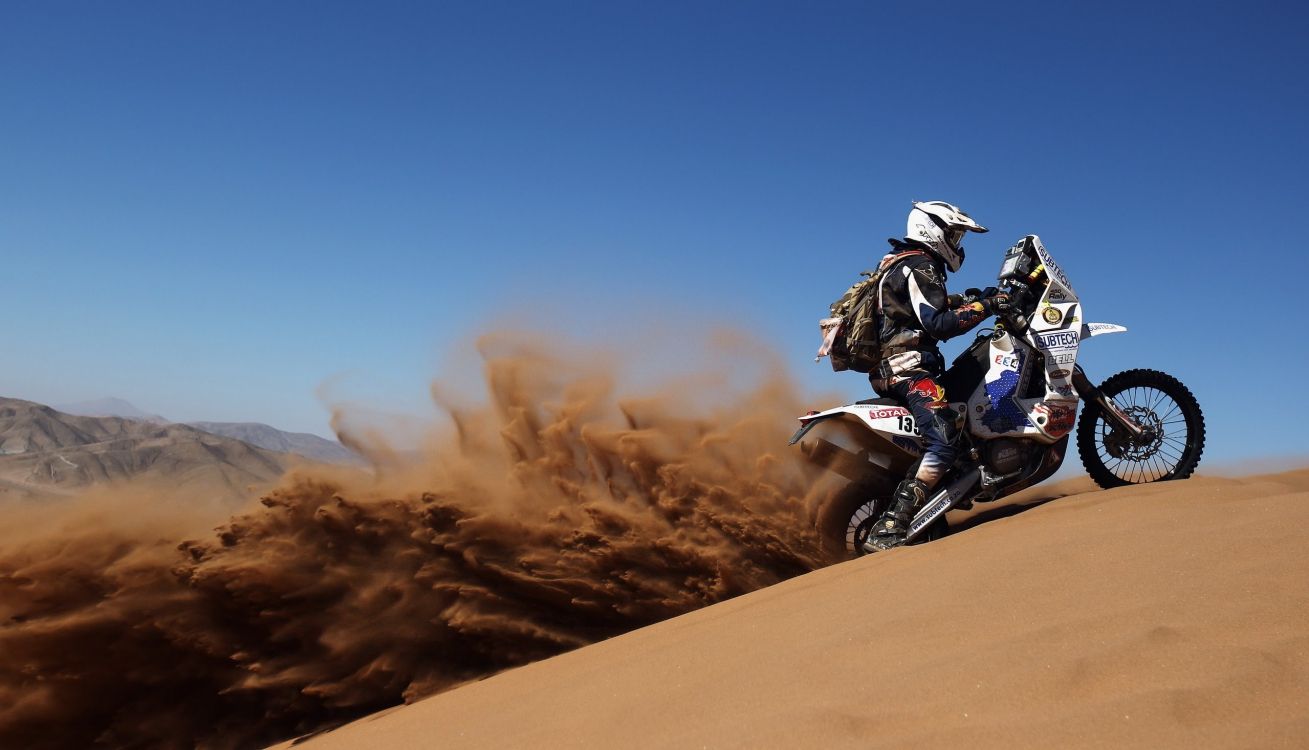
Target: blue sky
{"type": "Point", "coordinates": [212, 210]}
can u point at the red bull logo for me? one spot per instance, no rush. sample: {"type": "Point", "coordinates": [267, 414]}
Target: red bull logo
{"type": "Point", "coordinates": [928, 389]}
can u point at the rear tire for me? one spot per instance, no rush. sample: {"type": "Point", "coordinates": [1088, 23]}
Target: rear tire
{"type": "Point", "coordinates": [1156, 400]}
{"type": "Point", "coordinates": [847, 520]}
{"type": "Point", "coordinates": [840, 518]}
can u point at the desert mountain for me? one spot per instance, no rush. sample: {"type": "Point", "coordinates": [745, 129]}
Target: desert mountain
{"type": "Point", "coordinates": [108, 407]}
{"type": "Point", "coordinates": [256, 434]}
{"type": "Point", "coordinates": [44, 452]}
{"type": "Point", "coordinates": [270, 438]}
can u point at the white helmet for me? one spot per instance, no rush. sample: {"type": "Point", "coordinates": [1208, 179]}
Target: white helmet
{"type": "Point", "coordinates": [941, 227]}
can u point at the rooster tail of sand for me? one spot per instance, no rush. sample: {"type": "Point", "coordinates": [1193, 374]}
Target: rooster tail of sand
{"type": "Point", "coordinates": [557, 513]}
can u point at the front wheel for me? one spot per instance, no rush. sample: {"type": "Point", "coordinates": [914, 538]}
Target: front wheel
{"type": "Point", "coordinates": [1170, 416]}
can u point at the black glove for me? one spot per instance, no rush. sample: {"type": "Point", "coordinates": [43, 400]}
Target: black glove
{"type": "Point", "coordinates": [997, 304]}
{"type": "Point", "coordinates": [970, 295]}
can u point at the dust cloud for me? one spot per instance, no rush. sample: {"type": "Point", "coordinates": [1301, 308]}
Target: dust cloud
{"type": "Point", "coordinates": [554, 512]}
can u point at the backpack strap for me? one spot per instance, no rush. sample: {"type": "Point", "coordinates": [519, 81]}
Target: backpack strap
{"type": "Point", "coordinates": [890, 261]}
{"type": "Point", "coordinates": [887, 264]}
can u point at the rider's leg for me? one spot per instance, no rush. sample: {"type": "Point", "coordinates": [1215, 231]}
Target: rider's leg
{"type": "Point", "coordinates": [925, 399]}
{"type": "Point", "coordinates": [937, 423]}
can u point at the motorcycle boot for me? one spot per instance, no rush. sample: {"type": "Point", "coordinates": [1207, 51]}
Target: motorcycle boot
{"type": "Point", "coordinates": [892, 527]}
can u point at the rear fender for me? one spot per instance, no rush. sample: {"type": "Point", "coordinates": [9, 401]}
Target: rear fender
{"type": "Point", "coordinates": [890, 420]}
{"type": "Point", "coordinates": [846, 442]}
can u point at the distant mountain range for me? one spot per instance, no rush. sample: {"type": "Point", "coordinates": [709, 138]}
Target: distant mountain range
{"type": "Point", "coordinates": [47, 452]}
{"type": "Point", "coordinates": [108, 407]}
{"type": "Point", "coordinates": [273, 439]}
{"type": "Point", "coordinates": [256, 434]}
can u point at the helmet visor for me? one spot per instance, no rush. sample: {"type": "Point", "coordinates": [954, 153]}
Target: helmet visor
{"type": "Point", "coordinates": [955, 238]}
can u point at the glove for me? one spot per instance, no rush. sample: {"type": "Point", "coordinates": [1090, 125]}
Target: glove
{"type": "Point", "coordinates": [997, 304]}
{"type": "Point", "coordinates": [970, 295]}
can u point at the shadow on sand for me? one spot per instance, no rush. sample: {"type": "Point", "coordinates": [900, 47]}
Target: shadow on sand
{"type": "Point", "coordinates": [1008, 507]}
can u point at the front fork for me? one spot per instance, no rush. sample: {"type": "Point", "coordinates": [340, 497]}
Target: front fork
{"type": "Point", "coordinates": [1088, 391]}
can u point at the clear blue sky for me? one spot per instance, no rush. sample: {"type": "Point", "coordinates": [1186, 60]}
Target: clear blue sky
{"type": "Point", "coordinates": [211, 209]}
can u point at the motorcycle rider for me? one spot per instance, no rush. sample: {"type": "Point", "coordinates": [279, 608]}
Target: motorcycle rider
{"type": "Point", "coordinates": [917, 314]}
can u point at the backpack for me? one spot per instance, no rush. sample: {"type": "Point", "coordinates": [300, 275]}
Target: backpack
{"type": "Point", "coordinates": [850, 335]}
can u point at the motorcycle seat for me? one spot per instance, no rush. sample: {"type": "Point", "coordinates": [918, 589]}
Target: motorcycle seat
{"type": "Point", "coordinates": [879, 402]}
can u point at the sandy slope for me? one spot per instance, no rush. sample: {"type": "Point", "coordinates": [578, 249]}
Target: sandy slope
{"type": "Point", "coordinates": [1174, 615]}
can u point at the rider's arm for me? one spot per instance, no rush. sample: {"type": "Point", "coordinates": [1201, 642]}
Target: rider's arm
{"type": "Point", "coordinates": [927, 296]}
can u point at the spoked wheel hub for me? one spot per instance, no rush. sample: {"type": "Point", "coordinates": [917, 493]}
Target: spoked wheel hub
{"type": "Point", "coordinates": [1120, 444]}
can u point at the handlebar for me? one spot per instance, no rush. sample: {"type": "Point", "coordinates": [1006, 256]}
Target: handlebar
{"type": "Point", "coordinates": [1022, 301]}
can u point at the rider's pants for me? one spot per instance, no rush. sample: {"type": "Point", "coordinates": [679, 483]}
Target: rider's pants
{"type": "Point", "coordinates": [920, 391]}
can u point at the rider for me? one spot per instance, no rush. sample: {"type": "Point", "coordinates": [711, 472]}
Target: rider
{"type": "Point", "coordinates": [915, 316]}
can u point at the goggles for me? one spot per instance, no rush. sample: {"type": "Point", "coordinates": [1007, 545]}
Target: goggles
{"type": "Point", "coordinates": [955, 238]}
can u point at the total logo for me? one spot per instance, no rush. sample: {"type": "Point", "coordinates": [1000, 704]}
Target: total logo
{"type": "Point", "coordinates": [893, 412]}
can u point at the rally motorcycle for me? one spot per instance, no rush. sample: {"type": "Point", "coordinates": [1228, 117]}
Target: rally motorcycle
{"type": "Point", "coordinates": [1015, 390]}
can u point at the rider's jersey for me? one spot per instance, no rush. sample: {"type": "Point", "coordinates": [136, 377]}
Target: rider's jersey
{"type": "Point", "coordinates": [915, 313]}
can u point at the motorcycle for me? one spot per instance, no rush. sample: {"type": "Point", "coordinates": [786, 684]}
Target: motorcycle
{"type": "Point", "coordinates": [1017, 388]}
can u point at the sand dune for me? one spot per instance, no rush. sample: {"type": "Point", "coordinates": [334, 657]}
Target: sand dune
{"type": "Point", "coordinates": [1169, 615]}
{"type": "Point", "coordinates": [565, 513]}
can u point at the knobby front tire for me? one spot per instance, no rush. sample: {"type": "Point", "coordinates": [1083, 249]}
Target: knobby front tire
{"type": "Point", "coordinates": [1155, 400]}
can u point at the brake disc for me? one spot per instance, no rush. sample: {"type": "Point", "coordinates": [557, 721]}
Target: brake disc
{"type": "Point", "coordinates": [1120, 444]}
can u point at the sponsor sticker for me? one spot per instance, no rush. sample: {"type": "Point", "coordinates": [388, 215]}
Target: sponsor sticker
{"type": "Point", "coordinates": [1051, 267]}
{"type": "Point", "coordinates": [1051, 315]}
{"type": "Point", "coordinates": [1093, 327]}
{"type": "Point", "coordinates": [1057, 340]}
{"type": "Point", "coordinates": [1008, 361]}
{"type": "Point", "coordinates": [1059, 374]}
{"type": "Point", "coordinates": [932, 512]}
{"type": "Point", "coordinates": [887, 413]}
{"type": "Point", "coordinates": [1061, 420]}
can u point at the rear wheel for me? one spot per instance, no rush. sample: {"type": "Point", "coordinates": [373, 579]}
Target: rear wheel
{"type": "Point", "coordinates": [861, 528]}
{"type": "Point", "coordinates": [1170, 416]}
{"type": "Point", "coordinates": [859, 479]}
{"type": "Point", "coordinates": [849, 513]}
{"type": "Point", "coordinates": [848, 517]}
